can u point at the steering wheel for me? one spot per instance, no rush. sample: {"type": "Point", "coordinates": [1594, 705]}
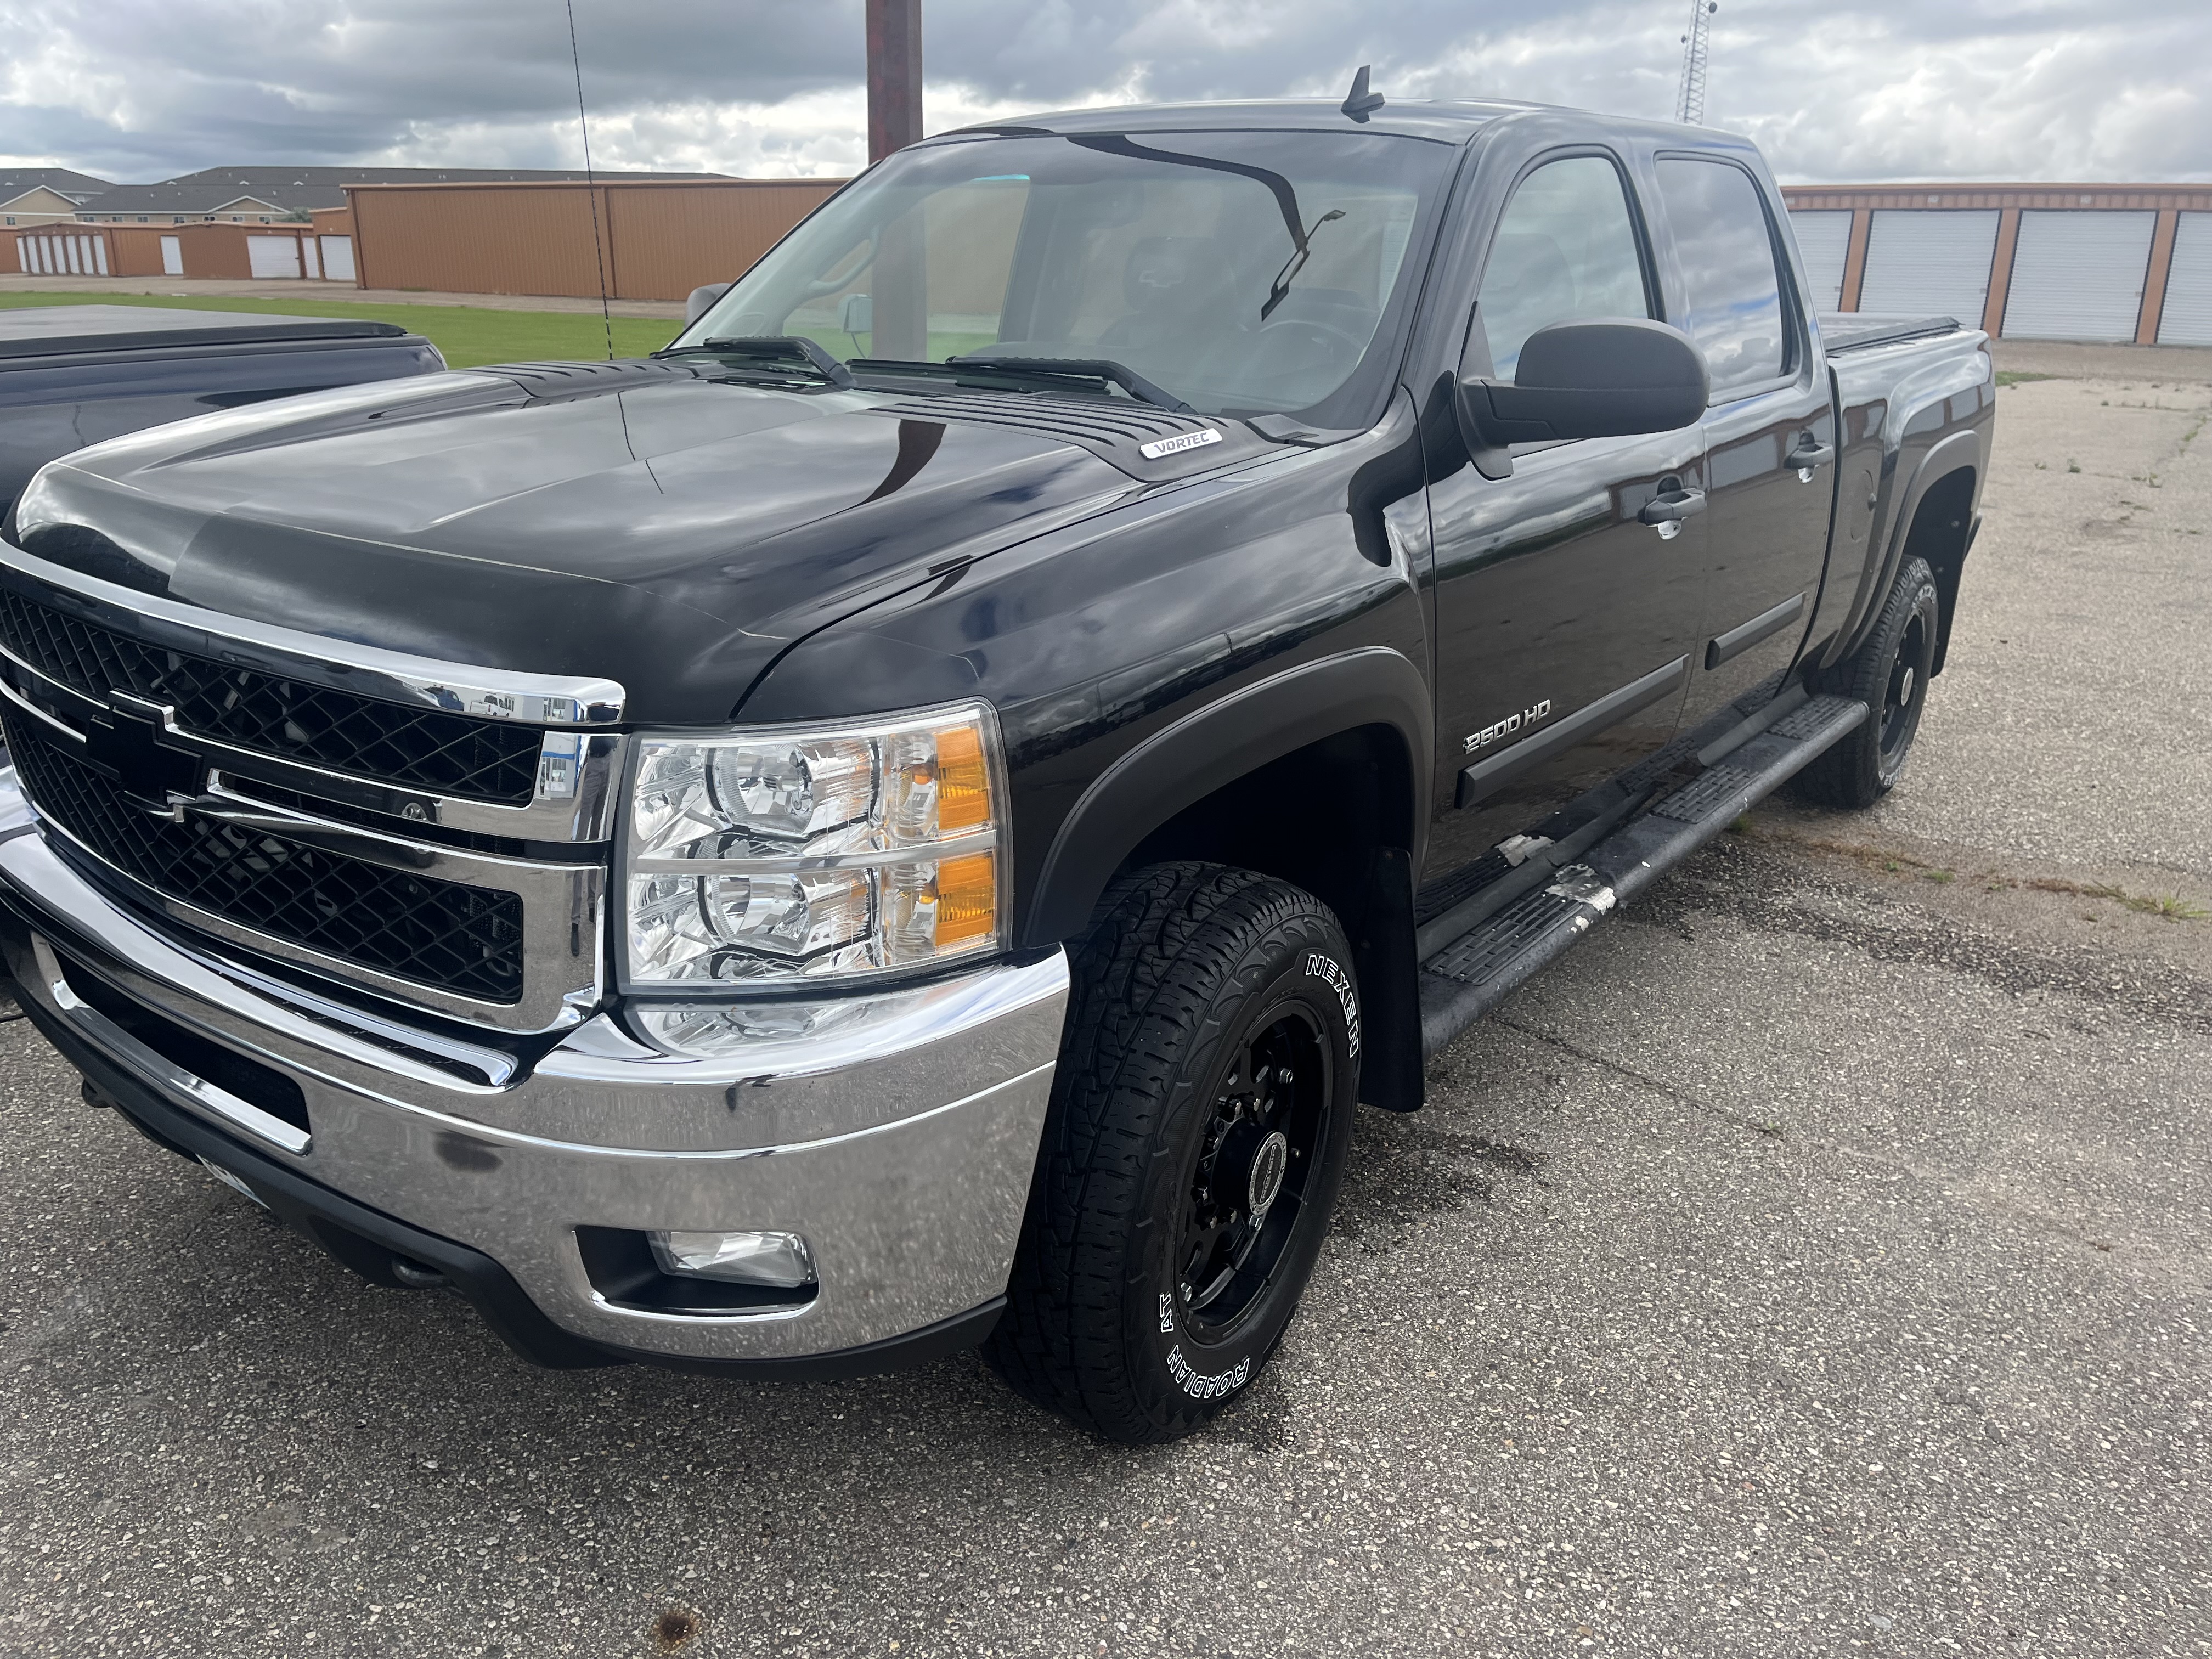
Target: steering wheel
{"type": "Point", "coordinates": [1350, 344]}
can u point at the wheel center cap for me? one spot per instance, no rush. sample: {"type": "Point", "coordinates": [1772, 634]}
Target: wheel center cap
{"type": "Point", "coordinates": [1904, 688]}
{"type": "Point", "coordinates": [1270, 1160]}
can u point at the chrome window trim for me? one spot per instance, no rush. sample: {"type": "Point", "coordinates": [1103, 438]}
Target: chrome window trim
{"type": "Point", "coordinates": [578, 773]}
{"type": "Point", "coordinates": [341, 665]}
{"type": "Point", "coordinates": [563, 912]}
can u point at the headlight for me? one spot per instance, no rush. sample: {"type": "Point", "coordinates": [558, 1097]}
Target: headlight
{"type": "Point", "coordinates": [803, 852]}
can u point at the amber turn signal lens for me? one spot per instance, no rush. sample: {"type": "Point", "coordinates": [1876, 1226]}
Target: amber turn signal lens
{"type": "Point", "coordinates": [967, 901]}
{"type": "Point", "coordinates": [964, 784]}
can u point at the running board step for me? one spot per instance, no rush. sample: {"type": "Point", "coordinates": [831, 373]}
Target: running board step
{"type": "Point", "coordinates": [1465, 978]}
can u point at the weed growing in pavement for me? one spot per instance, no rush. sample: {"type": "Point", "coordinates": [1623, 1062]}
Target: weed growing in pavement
{"type": "Point", "coordinates": [2073, 466]}
{"type": "Point", "coordinates": [2172, 906]}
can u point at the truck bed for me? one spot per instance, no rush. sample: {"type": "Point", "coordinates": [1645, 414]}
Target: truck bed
{"type": "Point", "coordinates": [1852, 331]}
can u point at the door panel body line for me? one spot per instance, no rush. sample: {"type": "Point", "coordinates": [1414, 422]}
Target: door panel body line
{"type": "Point", "coordinates": [1744, 635]}
{"type": "Point", "coordinates": [1586, 722]}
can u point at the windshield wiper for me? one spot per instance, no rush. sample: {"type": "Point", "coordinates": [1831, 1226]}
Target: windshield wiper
{"type": "Point", "coordinates": [1279, 290]}
{"type": "Point", "coordinates": [1051, 371]}
{"type": "Point", "coordinates": [1286, 197]}
{"type": "Point", "coordinates": [773, 351]}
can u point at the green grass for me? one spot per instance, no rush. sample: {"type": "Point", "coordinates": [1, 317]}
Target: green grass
{"type": "Point", "coordinates": [2022, 377]}
{"type": "Point", "coordinates": [466, 335]}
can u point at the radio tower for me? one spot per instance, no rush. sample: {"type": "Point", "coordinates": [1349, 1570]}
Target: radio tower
{"type": "Point", "coordinates": [1690, 107]}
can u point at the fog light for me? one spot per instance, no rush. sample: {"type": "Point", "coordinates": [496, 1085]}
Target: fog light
{"type": "Point", "coordinates": [779, 1259]}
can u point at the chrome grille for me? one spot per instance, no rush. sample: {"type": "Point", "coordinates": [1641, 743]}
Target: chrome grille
{"type": "Point", "coordinates": [290, 720]}
{"type": "Point", "coordinates": [448, 935]}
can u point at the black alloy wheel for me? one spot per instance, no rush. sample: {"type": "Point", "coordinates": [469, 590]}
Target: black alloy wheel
{"type": "Point", "coordinates": [1890, 674]}
{"type": "Point", "coordinates": [1905, 693]}
{"type": "Point", "coordinates": [1270, 1115]}
{"type": "Point", "coordinates": [1192, 1152]}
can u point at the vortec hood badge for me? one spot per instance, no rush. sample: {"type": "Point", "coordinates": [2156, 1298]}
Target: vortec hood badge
{"type": "Point", "coordinates": [1159, 448]}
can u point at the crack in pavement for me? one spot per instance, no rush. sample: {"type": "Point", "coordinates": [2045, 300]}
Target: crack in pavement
{"type": "Point", "coordinates": [1764, 1131]}
{"type": "Point", "coordinates": [1717, 882]}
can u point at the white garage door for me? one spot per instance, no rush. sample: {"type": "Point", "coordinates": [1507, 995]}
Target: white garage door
{"type": "Point", "coordinates": [337, 258]}
{"type": "Point", "coordinates": [173, 256]}
{"type": "Point", "coordinates": [1824, 237]}
{"type": "Point", "coordinates": [273, 256]}
{"type": "Point", "coordinates": [2078, 275]}
{"type": "Point", "coordinates": [1932, 262]}
{"type": "Point", "coordinates": [2187, 318]}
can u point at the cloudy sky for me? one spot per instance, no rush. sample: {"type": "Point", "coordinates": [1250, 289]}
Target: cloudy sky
{"type": "Point", "coordinates": [144, 89]}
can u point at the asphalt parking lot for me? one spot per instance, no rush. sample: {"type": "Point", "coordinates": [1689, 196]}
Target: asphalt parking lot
{"type": "Point", "coordinates": [1813, 1262]}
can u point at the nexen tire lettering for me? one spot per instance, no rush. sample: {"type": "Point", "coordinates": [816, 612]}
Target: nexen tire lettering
{"type": "Point", "coordinates": [1325, 969]}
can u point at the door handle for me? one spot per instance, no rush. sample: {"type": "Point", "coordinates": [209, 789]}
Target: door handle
{"type": "Point", "coordinates": [1807, 455]}
{"type": "Point", "coordinates": [1671, 507]}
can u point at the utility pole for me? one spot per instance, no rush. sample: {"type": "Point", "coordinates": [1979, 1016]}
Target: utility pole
{"type": "Point", "coordinates": [1690, 106]}
{"type": "Point", "coordinates": [894, 76]}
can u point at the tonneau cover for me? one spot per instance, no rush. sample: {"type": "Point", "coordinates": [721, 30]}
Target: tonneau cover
{"type": "Point", "coordinates": [51, 330]}
{"type": "Point", "coordinates": [1850, 331]}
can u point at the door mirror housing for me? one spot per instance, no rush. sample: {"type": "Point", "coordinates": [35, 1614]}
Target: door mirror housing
{"type": "Point", "coordinates": [1610, 378]}
{"type": "Point", "coordinates": [700, 301]}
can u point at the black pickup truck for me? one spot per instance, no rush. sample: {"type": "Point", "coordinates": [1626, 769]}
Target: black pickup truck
{"type": "Point", "coordinates": [72, 375]}
{"type": "Point", "coordinates": [910, 819]}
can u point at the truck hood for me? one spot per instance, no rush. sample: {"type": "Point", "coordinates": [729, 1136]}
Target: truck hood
{"type": "Point", "coordinates": [641, 522]}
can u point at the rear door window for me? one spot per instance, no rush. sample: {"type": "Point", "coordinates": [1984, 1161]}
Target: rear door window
{"type": "Point", "coordinates": [1565, 250]}
{"type": "Point", "coordinates": [1726, 248]}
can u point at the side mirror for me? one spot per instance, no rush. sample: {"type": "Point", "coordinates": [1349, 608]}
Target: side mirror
{"type": "Point", "coordinates": [702, 300]}
{"type": "Point", "coordinates": [1589, 380]}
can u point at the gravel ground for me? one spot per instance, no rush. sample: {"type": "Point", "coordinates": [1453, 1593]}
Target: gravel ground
{"type": "Point", "coordinates": [1813, 1262]}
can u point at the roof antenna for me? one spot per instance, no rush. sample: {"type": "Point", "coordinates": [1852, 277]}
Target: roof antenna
{"type": "Point", "coordinates": [591, 190]}
{"type": "Point", "coordinates": [1359, 103]}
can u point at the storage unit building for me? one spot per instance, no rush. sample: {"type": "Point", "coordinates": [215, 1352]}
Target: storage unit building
{"type": "Point", "coordinates": [2037, 262]}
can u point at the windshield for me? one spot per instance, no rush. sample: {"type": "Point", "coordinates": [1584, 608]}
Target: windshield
{"type": "Point", "coordinates": [1241, 272]}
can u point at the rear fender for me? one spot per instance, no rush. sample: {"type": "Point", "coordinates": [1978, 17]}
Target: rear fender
{"type": "Point", "coordinates": [1960, 453]}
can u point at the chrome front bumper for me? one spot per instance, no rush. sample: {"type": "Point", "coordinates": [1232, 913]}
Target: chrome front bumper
{"type": "Point", "coordinates": [898, 1134]}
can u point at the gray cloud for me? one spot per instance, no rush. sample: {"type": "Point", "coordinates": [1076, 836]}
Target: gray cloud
{"type": "Point", "coordinates": [1885, 89]}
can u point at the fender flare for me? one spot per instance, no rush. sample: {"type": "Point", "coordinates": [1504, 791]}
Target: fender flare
{"type": "Point", "coordinates": [1190, 758]}
{"type": "Point", "coordinates": [1960, 451]}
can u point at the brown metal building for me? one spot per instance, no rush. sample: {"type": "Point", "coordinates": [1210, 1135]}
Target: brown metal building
{"type": "Point", "coordinates": [656, 241]}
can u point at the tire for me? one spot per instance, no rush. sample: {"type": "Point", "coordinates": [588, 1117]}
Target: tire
{"type": "Point", "coordinates": [1211, 1065]}
{"type": "Point", "coordinates": [1889, 673]}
